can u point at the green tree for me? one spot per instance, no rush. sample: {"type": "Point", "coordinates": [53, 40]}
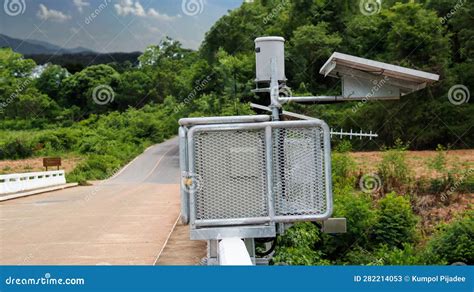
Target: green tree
{"type": "Point", "coordinates": [51, 81]}
{"type": "Point", "coordinates": [79, 88]}
{"type": "Point", "coordinates": [309, 48]}
{"type": "Point", "coordinates": [134, 90]}
{"type": "Point", "coordinates": [19, 99]}
{"type": "Point", "coordinates": [164, 64]}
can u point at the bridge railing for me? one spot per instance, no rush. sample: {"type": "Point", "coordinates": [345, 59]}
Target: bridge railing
{"type": "Point", "coordinates": [18, 182]}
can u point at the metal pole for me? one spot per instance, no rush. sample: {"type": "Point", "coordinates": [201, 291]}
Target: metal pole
{"type": "Point", "coordinates": [274, 92]}
{"type": "Point", "coordinates": [280, 134]}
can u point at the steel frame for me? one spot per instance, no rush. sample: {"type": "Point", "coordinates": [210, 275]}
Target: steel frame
{"type": "Point", "coordinates": [247, 227]}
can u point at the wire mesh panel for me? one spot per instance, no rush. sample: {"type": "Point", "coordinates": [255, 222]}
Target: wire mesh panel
{"type": "Point", "coordinates": [259, 173]}
{"type": "Point", "coordinates": [230, 168]}
{"type": "Point", "coordinates": [299, 177]}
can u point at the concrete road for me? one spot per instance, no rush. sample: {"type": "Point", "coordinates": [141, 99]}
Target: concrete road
{"type": "Point", "coordinates": [125, 220]}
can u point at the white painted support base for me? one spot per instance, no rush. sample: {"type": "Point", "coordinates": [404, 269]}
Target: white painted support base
{"type": "Point", "coordinates": [233, 252]}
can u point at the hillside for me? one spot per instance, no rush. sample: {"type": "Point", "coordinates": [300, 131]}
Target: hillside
{"type": "Point", "coordinates": [33, 47]}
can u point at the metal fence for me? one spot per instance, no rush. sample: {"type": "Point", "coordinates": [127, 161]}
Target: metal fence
{"type": "Point", "coordinates": [256, 173]}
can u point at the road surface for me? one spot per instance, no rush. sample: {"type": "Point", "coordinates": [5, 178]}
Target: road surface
{"type": "Point", "coordinates": [125, 220]}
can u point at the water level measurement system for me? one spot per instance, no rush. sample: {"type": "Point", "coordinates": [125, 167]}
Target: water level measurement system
{"type": "Point", "coordinates": [250, 177]}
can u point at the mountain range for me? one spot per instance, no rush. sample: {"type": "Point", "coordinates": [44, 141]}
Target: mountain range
{"type": "Point", "coordinates": [37, 47]}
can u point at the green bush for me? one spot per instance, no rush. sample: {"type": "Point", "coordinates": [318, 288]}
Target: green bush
{"type": "Point", "coordinates": [357, 255]}
{"type": "Point", "coordinates": [407, 255]}
{"type": "Point", "coordinates": [302, 234]}
{"type": "Point", "coordinates": [298, 256]}
{"type": "Point", "coordinates": [455, 242]}
{"type": "Point", "coordinates": [343, 170]}
{"type": "Point", "coordinates": [385, 255]}
{"type": "Point", "coordinates": [447, 176]}
{"type": "Point", "coordinates": [395, 222]}
{"type": "Point", "coordinates": [357, 209]}
{"type": "Point", "coordinates": [438, 163]}
{"type": "Point", "coordinates": [16, 149]}
{"type": "Point", "coordinates": [394, 170]}
{"type": "Point", "coordinates": [296, 246]}
{"type": "Point", "coordinates": [96, 167]}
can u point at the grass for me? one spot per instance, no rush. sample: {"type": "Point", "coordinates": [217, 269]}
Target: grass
{"type": "Point", "coordinates": [417, 161]}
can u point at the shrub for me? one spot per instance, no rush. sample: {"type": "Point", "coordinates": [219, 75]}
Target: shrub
{"type": "Point", "coordinates": [343, 169]}
{"type": "Point", "coordinates": [438, 163]}
{"type": "Point", "coordinates": [394, 169]}
{"type": "Point", "coordinates": [356, 208]}
{"type": "Point", "coordinates": [96, 167]}
{"type": "Point", "coordinates": [59, 140]}
{"type": "Point", "coordinates": [357, 255]}
{"type": "Point", "coordinates": [395, 222]}
{"type": "Point", "coordinates": [298, 256]}
{"type": "Point", "coordinates": [302, 234]}
{"type": "Point", "coordinates": [446, 177]}
{"type": "Point", "coordinates": [407, 255]}
{"type": "Point", "coordinates": [296, 246]}
{"type": "Point", "coordinates": [16, 149]}
{"type": "Point", "coordinates": [455, 242]}
{"type": "Point", "coordinates": [384, 255]}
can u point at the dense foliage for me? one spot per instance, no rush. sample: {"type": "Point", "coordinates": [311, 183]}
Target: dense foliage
{"type": "Point", "coordinates": [461, 233]}
{"type": "Point", "coordinates": [382, 229]}
{"type": "Point", "coordinates": [432, 35]}
{"type": "Point", "coordinates": [426, 36]}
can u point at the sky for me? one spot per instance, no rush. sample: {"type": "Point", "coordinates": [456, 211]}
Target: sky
{"type": "Point", "coordinates": [112, 25]}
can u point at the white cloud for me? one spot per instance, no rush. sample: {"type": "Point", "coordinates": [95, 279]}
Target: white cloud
{"type": "Point", "coordinates": [80, 4]}
{"type": "Point", "coordinates": [156, 14]}
{"type": "Point", "coordinates": [126, 7]}
{"type": "Point", "coordinates": [132, 7]}
{"type": "Point", "coordinates": [50, 14]}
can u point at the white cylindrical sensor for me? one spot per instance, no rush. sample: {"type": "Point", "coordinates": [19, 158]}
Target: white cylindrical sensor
{"type": "Point", "coordinates": [267, 48]}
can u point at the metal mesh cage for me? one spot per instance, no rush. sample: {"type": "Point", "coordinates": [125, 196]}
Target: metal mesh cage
{"type": "Point", "coordinates": [259, 172]}
{"type": "Point", "coordinates": [299, 171]}
{"type": "Point", "coordinates": [231, 173]}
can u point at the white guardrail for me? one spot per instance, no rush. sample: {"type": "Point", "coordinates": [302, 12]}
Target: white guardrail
{"type": "Point", "coordinates": [18, 182]}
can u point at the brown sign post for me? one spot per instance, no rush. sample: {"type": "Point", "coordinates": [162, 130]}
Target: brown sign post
{"type": "Point", "coordinates": [51, 161]}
